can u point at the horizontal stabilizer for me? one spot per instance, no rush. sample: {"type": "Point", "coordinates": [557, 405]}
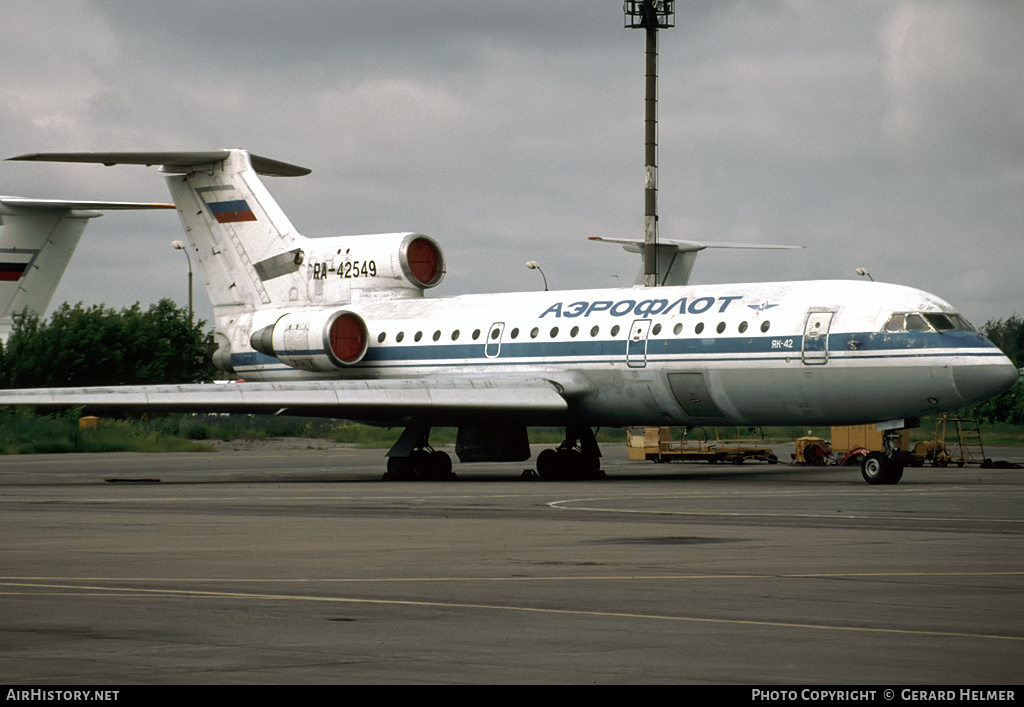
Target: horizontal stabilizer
{"type": "Point", "coordinates": [635, 245]}
{"type": "Point", "coordinates": [676, 258]}
{"type": "Point", "coordinates": [170, 161]}
{"type": "Point", "coordinates": [65, 205]}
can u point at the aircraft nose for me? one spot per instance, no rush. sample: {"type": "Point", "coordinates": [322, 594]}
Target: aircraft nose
{"type": "Point", "coordinates": [977, 384]}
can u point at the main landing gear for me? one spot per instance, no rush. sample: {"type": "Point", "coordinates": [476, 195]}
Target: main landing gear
{"type": "Point", "coordinates": [423, 461]}
{"type": "Point", "coordinates": [577, 457]}
{"type": "Point", "coordinates": [883, 467]}
{"type": "Point", "coordinates": [413, 459]}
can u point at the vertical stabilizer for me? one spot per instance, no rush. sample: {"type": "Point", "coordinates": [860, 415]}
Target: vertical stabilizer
{"type": "Point", "coordinates": [37, 240]}
{"type": "Point", "coordinates": [248, 250]}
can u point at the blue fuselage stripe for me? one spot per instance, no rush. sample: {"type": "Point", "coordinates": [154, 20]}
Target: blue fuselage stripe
{"type": "Point", "coordinates": [873, 345]}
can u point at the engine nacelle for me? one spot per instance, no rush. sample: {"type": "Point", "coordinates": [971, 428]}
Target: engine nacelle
{"type": "Point", "coordinates": [314, 340]}
{"type": "Point", "coordinates": [397, 263]}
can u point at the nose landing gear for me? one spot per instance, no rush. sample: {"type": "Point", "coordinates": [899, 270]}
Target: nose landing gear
{"type": "Point", "coordinates": [883, 467]}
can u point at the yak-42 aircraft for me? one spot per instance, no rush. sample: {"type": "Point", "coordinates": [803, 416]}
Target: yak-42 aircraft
{"type": "Point", "coordinates": [339, 327]}
{"type": "Point", "coordinates": [37, 239]}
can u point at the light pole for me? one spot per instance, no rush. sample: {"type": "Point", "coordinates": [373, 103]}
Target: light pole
{"type": "Point", "coordinates": [650, 15]}
{"type": "Point", "coordinates": [534, 265]}
{"type": "Point", "coordinates": [180, 245]}
{"type": "Point", "coordinates": [863, 272]}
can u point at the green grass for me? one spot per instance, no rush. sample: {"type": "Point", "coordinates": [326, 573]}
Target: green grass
{"type": "Point", "coordinates": [22, 432]}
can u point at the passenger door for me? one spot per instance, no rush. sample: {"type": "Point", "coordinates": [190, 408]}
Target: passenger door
{"type": "Point", "coordinates": [636, 345]}
{"type": "Point", "coordinates": [815, 341]}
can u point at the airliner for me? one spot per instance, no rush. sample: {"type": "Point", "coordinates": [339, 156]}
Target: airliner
{"type": "Point", "coordinates": [37, 239]}
{"type": "Point", "coordinates": [341, 327]}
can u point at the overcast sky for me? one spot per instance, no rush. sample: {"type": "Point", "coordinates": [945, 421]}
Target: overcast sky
{"type": "Point", "coordinates": [886, 135]}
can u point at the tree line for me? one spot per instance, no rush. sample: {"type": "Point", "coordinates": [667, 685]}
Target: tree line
{"type": "Point", "coordinates": [1008, 406]}
{"type": "Point", "coordinates": [94, 345]}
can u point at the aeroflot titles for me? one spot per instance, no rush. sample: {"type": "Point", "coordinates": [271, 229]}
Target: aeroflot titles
{"type": "Point", "coordinates": [643, 308]}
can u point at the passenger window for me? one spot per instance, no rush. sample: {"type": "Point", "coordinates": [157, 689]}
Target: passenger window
{"type": "Point", "coordinates": [534, 332]}
{"type": "Point", "coordinates": [743, 327]}
{"type": "Point", "coordinates": [476, 334]}
{"type": "Point", "coordinates": [554, 332]}
{"type": "Point", "coordinates": [380, 337]}
{"type": "Point", "coordinates": [656, 330]}
{"type": "Point", "coordinates": [593, 332]}
{"type": "Point", "coordinates": [615, 330]}
{"type": "Point", "coordinates": [574, 331]}
{"type": "Point", "coordinates": [765, 326]}
{"type": "Point", "coordinates": [437, 335]}
{"type": "Point", "coordinates": [677, 329]}
{"type": "Point", "coordinates": [419, 335]}
{"type": "Point", "coordinates": [699, 328]}
{"type": "Point", "coordinates": [400, 336]}
{"type": "Point", "coordinates": [515, 332]}
{"type": "Point", "coordinates": [455, 335]}
{"type": "Point", "coordinates": [720, 328]}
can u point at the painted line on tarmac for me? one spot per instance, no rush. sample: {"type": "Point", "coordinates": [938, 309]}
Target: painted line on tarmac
{"type": "Point", "coordinates": [127, 591]}
{"type": "Point", "coordinates": [842, 515]}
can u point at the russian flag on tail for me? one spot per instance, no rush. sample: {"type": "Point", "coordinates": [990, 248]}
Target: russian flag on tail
{"type": "Point", "coordinates": [13, 263]}
{"type": "Point", "coordinates": [226, 205]}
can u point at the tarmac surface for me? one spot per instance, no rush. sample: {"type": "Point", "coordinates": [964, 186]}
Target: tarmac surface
{"type": "Point", "coordinates": [294, 563]}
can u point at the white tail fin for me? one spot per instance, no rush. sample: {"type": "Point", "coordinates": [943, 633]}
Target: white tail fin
{"type": "Point", "coordinates": [246, 247]}
{"type": "Point", "coordinates": [37, 239]}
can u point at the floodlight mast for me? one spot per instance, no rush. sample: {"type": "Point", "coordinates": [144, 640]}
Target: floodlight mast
{"type": "Point", "coordinates": [650, 15]}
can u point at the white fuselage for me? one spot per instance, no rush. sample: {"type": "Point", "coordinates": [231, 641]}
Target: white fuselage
{"type": "Point", "coordinates": [762, 353]}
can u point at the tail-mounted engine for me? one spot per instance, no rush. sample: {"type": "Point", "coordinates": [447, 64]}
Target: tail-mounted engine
{"type": "Point", "coordinates": [392, 264]}
{"type": "Point", "coordinates": [314, 340]}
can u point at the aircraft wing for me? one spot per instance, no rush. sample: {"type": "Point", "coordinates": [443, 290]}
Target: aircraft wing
{"type": "Point", "coordinates": [383, 401]}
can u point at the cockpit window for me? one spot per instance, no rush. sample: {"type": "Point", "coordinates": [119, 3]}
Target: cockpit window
{"type": "Point", "coordinates": [961, 323]}
{"type": "Point", "coordinates": [926, 321]}
{"type": "Point", "coordinates": [915, 322]}
{"type": "Point", "coordinates": [895, 323]}
{"type": "Point", "coordinates": [940, 321]}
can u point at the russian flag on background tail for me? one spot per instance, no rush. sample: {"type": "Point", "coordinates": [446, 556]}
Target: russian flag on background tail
{"type": "Point", "coordinates": [226, 205]}
{"type": "Point", "coordinates": [13, 263]}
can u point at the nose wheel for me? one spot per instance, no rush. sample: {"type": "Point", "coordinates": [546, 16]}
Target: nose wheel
{"type": "Point", "coordinates": [883, 467]}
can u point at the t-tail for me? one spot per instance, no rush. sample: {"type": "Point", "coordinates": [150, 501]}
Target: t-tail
{"type": "Point", "coordinates": [258, 269]}
{"type": "Point", "coordinates": [37, 239]}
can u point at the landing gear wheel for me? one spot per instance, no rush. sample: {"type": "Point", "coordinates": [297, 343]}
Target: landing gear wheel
{"type": "Point", "coordinates": [873, 467]}
{"type": "Point", "coordinates": [399, 469]}
{"type": "Point", "coordinates": [547, 464]}
{"type": "Point", "coordinates": [880, 469]}
{"type": "Point", "coordinates": [440, 466]}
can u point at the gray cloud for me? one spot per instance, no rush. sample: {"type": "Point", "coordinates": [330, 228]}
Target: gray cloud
{"type": "Point", "coordinates": [877, 134]}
